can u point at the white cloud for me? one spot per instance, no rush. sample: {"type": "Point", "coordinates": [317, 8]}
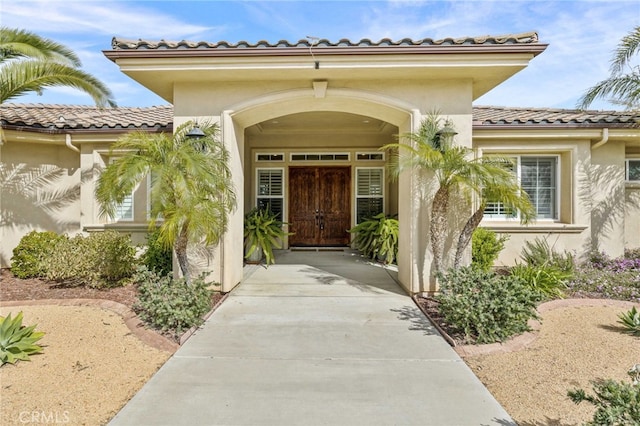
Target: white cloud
{"type": "Point", "coordinates": [107, 18]}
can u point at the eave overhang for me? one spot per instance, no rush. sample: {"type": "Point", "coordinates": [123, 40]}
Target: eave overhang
{"type": "Point", "coordinates": [484, 65]}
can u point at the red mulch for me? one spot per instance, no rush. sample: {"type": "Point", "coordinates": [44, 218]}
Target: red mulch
{"type": "Point", "coordinates": [12, 288]}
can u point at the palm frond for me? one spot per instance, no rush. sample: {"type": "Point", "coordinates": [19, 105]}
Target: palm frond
{"type": "Point", "coordinates": [628, 47]}
{"type": "Point", "coordinates": [20, 77]}
{"type": "Point", "coordinates": [15, 43]}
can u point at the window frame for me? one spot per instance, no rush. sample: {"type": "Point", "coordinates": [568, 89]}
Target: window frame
{"type": "Point", "coordinates": [627, 168]}
{"type": "Point", "coordinates": [518, 169]}
{"type": "Point", "coordinates": [280, 197]}
{"type": "Point", "coordinates": [119, 206]}
{"type": "Point", "coordinates": [382, 196]}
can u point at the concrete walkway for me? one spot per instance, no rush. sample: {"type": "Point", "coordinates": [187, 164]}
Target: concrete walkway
{"type": "Point", "coordinates": [317, 339]}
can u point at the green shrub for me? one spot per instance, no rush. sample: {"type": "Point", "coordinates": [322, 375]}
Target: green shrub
{"type": "Point", "coordinates": [32, 253]}
{"type": "Point", "coordinates": [616, 403]}
{"type": "Point", "coordinates": [103, 259]}
{"type": "Point", "coordinates": [550, 282]}
{"type": "Point", "coordinates": [17, 342]}
{"type": "Point", "coordinates": [157, 257]}
{"type": "Point", "coordinates": [485, 248]}
{"type": "Point", "coordinates": [171, 305]}
{"type": "Point", "coordinates": [484, 307]}
{"type": "Point", "coordinates": [630, 320]}
{"type": "Point", "coordinates": [377, 238]}
{"type": "Point", "coordinates": [539, 253]}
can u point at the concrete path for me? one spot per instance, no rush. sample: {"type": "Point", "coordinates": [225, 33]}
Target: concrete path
{"type": "Point", "coordinates": [327, 340]}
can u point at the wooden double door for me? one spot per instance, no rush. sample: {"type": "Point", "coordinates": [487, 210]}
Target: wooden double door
{"type": "Point", "coordinates": [319, 206]}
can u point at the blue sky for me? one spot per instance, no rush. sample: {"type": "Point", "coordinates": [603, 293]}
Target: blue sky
{"type": "Point", "coordinates": [581, 35]}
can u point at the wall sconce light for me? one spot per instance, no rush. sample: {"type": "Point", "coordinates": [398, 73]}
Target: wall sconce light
{"type": "Point", "coordinates": [195, 132]}
{"type": "Point", "coordinates": [443, 136]}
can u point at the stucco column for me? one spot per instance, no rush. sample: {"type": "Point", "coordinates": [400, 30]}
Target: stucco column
{"type": "Point", "coordinates": [608, 199]}
{"type": "Point", "coordinates": [232, 248]}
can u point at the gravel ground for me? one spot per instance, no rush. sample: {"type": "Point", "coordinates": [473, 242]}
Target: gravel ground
{"type": "Point", "coordinates": [91, 366]}
{"type": "Point", "coordinates": [92, 363]}
{"type": "Point", "coordinates": [575, 345]}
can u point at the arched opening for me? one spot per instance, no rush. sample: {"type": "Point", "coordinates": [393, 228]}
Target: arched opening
{"type": "Point", "coordinates": [321, 172]}
{"type": "Point", "coordinates": [341, 130]}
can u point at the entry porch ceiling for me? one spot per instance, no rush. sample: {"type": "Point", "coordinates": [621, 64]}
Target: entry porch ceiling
{"type": "Point", "coordinates": [323, 122]}
{"type": "Point", "coordinates": [160, 74]}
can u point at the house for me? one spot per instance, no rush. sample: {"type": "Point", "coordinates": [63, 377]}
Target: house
{"type": "Point", "coordinates": [304, 122]}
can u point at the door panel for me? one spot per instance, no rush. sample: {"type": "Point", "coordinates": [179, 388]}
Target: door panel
{"type": "Point", "coordinates": [319, 206]}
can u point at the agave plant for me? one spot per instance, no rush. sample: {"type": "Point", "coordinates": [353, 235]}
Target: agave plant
{"type": "Point", "coordinates": [17, 342]}
{"type": "Point", "coordinates": [377, 238]}
{"type": "Point", "coordinates": [630, 320]}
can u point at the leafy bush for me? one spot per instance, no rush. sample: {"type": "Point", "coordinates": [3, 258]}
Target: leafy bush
{"type": "Point", "coordinates": [262, 231]}
{"type": "Point", "coordinates": [617, 403]}
{"type": "Point", "coordinates": [17, 342]}
{"type": "Point", "coordinates": [485, 307]}
{"type": "Point", "coordinates": [31, 254]}
{"type": "Point", "coordinates": [630, 320]}
{"type": "Point", "coordinates": [103, 259]}
{"type": "Point", "coordinates": [377, 238]}
{"type": "Point", "coordinates": [485, 248]}
{"type": "Point", "coordinates": [539, 252]}
{"type": "Point", "coordinates": [171, 305]}
{"type": "Point", "coordinates": [157, 257]}
{"type": "Point", "coordinates": [550, 282]}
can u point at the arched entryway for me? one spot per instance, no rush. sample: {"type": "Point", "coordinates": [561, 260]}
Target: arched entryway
{"type": "Point", "coordinates": [344, 129]}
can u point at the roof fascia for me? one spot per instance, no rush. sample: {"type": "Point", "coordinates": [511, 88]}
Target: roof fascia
{"type": "Point", "coordinates": [533, 49]}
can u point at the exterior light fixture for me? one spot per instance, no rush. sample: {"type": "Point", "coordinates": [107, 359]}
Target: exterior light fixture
{"type": "Point", "coordinates": [443, 136]}
{"type": "Point", "coordinates": [446, 132]}
{"type": "Point", "coordinates": [195, 133]}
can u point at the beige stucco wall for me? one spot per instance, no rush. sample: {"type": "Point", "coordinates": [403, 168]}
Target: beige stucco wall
{"type": "Point", "coordinates": [40, 191]}
{"type": "Point", "coordinates": [401, 103]}
{"type": "Point", "coordinates": [592, 212]}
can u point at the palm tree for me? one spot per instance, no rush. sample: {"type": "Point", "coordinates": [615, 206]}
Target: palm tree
{"type": "Point", "coordinates": [191, 191]}
{"type": "Point", "coordinates": [456, 172]}
{"type": "Point", "coordinates": [624, 88]}
{"type": "Point", "coordinates": [30, 63]}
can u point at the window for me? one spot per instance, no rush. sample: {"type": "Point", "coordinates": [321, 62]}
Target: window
{"type": "Point", "coordinates": [270, 191]}
{"type": "Point", "coordinates": [369, 192]}
{"type": "Point", "coordinates": [632, 170]}
{"type": "Point", "coordinates": [538, 178]}
{"type": "Point", "coordinates": [262, 156]}
{"type": "Point", "coordinates": [124, 211]}
{"type": "Point", "coordinates": [367, 156]}
{"type": "Point", "coordinates": [320, 156]}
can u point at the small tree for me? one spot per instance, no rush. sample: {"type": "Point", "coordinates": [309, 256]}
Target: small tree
{"type": "Point", "coordinates": [191, 191]}
{"type": "Point", "coordinates": [456, 170]}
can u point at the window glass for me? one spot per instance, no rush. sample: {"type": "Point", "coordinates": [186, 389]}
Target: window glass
{"type": "Point", "coordinates": [538, 178]}
{"type": "Point", "coordinates": [270, 191]}
{"type": "Point", "coordinates": [369, 192]}
{"type": "Point", "coordinates": [633, 170]}
{"type": "Point", "coordinates": [124, 210]}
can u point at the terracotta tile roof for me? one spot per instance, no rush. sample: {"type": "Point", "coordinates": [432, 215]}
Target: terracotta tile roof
{"type": "Point", "coordinates": [79, 117]}
{"type": "Point", "coordinates": [488, 116]}
{"type": "Point", "coordinates": [160, 118]}
{"type": "Point", "coordinates": [523, 38]}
